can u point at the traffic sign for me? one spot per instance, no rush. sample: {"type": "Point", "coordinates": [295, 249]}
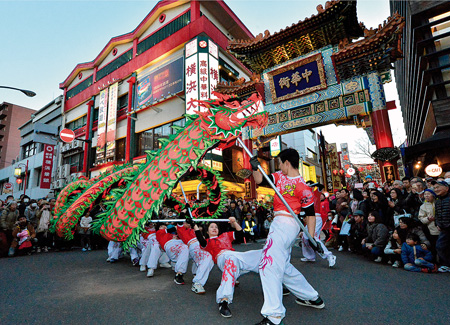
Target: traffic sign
{"type": "Point", "coordinates": [67, 135]}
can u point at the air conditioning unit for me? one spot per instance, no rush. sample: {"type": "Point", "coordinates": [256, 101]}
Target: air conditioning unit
{"type": "Point", "coordinates": [65, 147]}
{"type": "Point", "coordinates": [58, 183]}
{"type": "Point", "coordinates": [58, 171]}
{"type": "Point", "coordinates": [52, 185]}
{"type": "Point", "coordinates": [69, 179]}
{"type": "Point", "coordinates": [65, 170]}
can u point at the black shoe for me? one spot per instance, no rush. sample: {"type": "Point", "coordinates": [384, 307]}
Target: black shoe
{"type": "Point", "coordinates": [318, 303]}
{"type": "Point", "coordinates": [224, 310]}
{"type": "Point", "coordinates": [179, 279]}
{"type": "Point", "coordinates": [286, 292]}
{"type": "Point", "coordinates": [267, 321]}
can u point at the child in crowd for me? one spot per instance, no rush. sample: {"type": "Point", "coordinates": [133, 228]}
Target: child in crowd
{"type": "Point", "coordinates": [415, 258]}
{"type": "Point", "coordinates": [394, 249]}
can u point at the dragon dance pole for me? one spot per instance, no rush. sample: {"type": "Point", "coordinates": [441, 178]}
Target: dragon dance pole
{"type": "Point", "coordinates": [196, 220]}
{"type": "Point", "coordinates": [311, 239]}
{"type": "Point", "coordinates": [186, 200]}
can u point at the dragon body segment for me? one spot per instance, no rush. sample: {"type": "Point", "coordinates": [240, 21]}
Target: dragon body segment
{"type": "Point", "coordinates": [147, 186]}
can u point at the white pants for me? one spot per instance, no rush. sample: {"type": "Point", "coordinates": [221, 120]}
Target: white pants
{"type": "Point", "coordinates": [136, 251]}
{"type": "Point", "coordinates": [114, 250]}
{"type": "Point", "coordinates": [178, 253]}
{"type": "Point", "coordinates": [307, 251]}
{"type": "Point", "coordinates": [275, 268]}
{"type": "Point", "coordinates": [203, 261]}
{"type": "Point", "coordinates": [151, 253]}
{"type": "Point", "coordinates": [234, 264]}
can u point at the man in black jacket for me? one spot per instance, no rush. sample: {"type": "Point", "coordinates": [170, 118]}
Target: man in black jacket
{"type": "Point", "coordinates": [442, 215]}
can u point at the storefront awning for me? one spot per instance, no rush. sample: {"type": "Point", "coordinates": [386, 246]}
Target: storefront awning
{"type": "Point", "coordinates": [191, 186]}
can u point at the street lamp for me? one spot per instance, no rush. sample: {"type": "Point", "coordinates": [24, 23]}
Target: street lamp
{"type": "Point", "coordinates": [18, 172]}
{"type": "Point", "coordinates": [29, 93]}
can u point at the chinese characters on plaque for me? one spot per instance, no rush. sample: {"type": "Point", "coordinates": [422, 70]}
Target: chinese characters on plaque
{"type": "Point", "coordinates": [297, 78]}
{"type": "Point", "coordinates": [47, 166]}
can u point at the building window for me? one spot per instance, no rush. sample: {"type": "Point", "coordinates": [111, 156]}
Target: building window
{"type": "Point", "coordinates": [80, 87]}
{"type": "Point", "coordinates": [148, 140]}
{"type": "Point", "coordinates": [37, 173]}
{"type": "Point", "coordinates": [311, 154]}
{"type": "Point", "coordinates": [75, 162]}
{"type": "Point", "coordinates": [29, 150]}
{"type": "Point", "coordinates": [120, 149]}
{"type": "Point", "coordinates": [79, 123]}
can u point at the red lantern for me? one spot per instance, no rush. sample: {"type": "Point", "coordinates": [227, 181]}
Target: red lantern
{"type": "Point", "coordinates": [342, 172]}
{"type": "Point", "coordinates": [347, 166]}
{"type": "Point", "coordinates": [361, 169]}
{"type": "Point", "coordinates": [19, 181]}
{"type": "Point", "coordinates": [335, 172]}
{"type": "Point", "coordinates": [369, 167]}
{"type": "Point", "coordinates": [348, 176]}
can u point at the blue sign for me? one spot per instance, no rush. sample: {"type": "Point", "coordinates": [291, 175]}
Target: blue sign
{"type": "Point", "coordinates": [159, 83]}
{"type": "Point", "coordinates": [298, 78]}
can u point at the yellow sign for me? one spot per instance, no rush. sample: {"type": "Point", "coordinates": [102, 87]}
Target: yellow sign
{"type": "Point", "coordinates": [312, 173]}
{"type": "Point", "coordinates": [217, 165]}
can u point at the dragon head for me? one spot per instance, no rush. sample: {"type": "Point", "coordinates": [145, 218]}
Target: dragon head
{"type": "Point", "coordinates": [225, 116]}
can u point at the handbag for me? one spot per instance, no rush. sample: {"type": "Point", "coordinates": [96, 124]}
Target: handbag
{"type": "Point", "coordinates": [345, 228]}
{"type": "Point", "coordinates": [398, 216]}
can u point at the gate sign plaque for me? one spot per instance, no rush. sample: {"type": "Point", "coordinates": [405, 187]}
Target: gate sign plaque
{"type": "Point", "coordinates": [297, 79]}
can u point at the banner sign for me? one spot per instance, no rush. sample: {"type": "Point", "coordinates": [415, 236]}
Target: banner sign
{"type": "Point", "coordinates": [275, 146]}
{"type": "Point", "coordinates": [333, 163]}
{"type": "Point", "coordinates": [157, 84]}
{"type": "Point", "coordinates": [201, 70]}
{"type": "Point", "coordinates": [101, 136]}
{"type": "Point", "coordinates": [7, 188]}
{"type": "Point", "coordinates": [111, 125]}
{"type": "Point", "coordinates": [47, 166]}
{"type": "Point", "coordinates": [297, 79]}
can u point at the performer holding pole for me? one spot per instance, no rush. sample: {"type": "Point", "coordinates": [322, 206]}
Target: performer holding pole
{"type": "Point", "coordinates": [275, 269]}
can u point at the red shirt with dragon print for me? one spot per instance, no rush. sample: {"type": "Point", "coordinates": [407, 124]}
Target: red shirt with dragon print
{"type": "Point", "coordinates": [294, 190]}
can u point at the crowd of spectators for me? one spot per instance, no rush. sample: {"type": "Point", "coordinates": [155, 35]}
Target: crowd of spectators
{"type": "Point", "coordinates": [405, 224]}
{"type": "Point", "coordinates": [24, 228]}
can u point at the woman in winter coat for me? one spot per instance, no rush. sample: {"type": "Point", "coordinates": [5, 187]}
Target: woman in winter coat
{"type": "Point", "coordinates": [379, 203]}
{"type": "Point", "coordinates": [377, 236]}
{"type": "Point", "coordinates": [426, 216]}
{"type": "Point", "coordinates": [43, 217]}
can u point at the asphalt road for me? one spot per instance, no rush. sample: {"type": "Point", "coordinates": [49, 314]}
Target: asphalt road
{"type": "Point", "coordinates": [82, 288]}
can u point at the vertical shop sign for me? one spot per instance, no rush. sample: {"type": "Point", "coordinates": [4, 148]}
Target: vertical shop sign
{"type": "Point", "coordinates": [111, 125]}
{"type": "Point", "coordinates": [275, 146]}
{"type": "Point", "coordinates": [201, 71]}
{"type": "Point", "coordinates": [47, 166]}
{"type": "Point", "coordinates": [101, 131]}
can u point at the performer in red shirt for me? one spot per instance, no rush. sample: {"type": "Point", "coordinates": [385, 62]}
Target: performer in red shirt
{"type": "Point", "coordinates": [232, 264]}
{"type": "Point", "coordinates": [177, 251]}
{"type": "Point", "coordinates": [203, 262]}
{"type": "Point", "coordinates": [275, 268]}
{"type": "Point", "coordinates": [309, 255]}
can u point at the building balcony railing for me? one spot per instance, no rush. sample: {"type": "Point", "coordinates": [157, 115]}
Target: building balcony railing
{"type": "Point", "coordinates": [2, 114]}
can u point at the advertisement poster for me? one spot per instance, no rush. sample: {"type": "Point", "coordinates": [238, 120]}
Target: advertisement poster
{"type": "Point", "coordinates": [153, 86]}
{"type": "Point", "coordinates": [101, 137]}
{"type": "Point", "coordinates": [238, 160]}
{"type": "Point", "coordinates": [111, 125]}
{"type": "Point", "coordinates": [47, 166]}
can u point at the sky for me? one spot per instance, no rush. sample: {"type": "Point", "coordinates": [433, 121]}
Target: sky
{"type": "Point", "coordinates": [42, 42]}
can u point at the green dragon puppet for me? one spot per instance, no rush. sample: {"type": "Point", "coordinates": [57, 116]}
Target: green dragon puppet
{"type": "Point", "coordinates": [136, 193]}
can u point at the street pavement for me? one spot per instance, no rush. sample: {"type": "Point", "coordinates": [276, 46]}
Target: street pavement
{"type": "Point", "coordinates": [82, 288]}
